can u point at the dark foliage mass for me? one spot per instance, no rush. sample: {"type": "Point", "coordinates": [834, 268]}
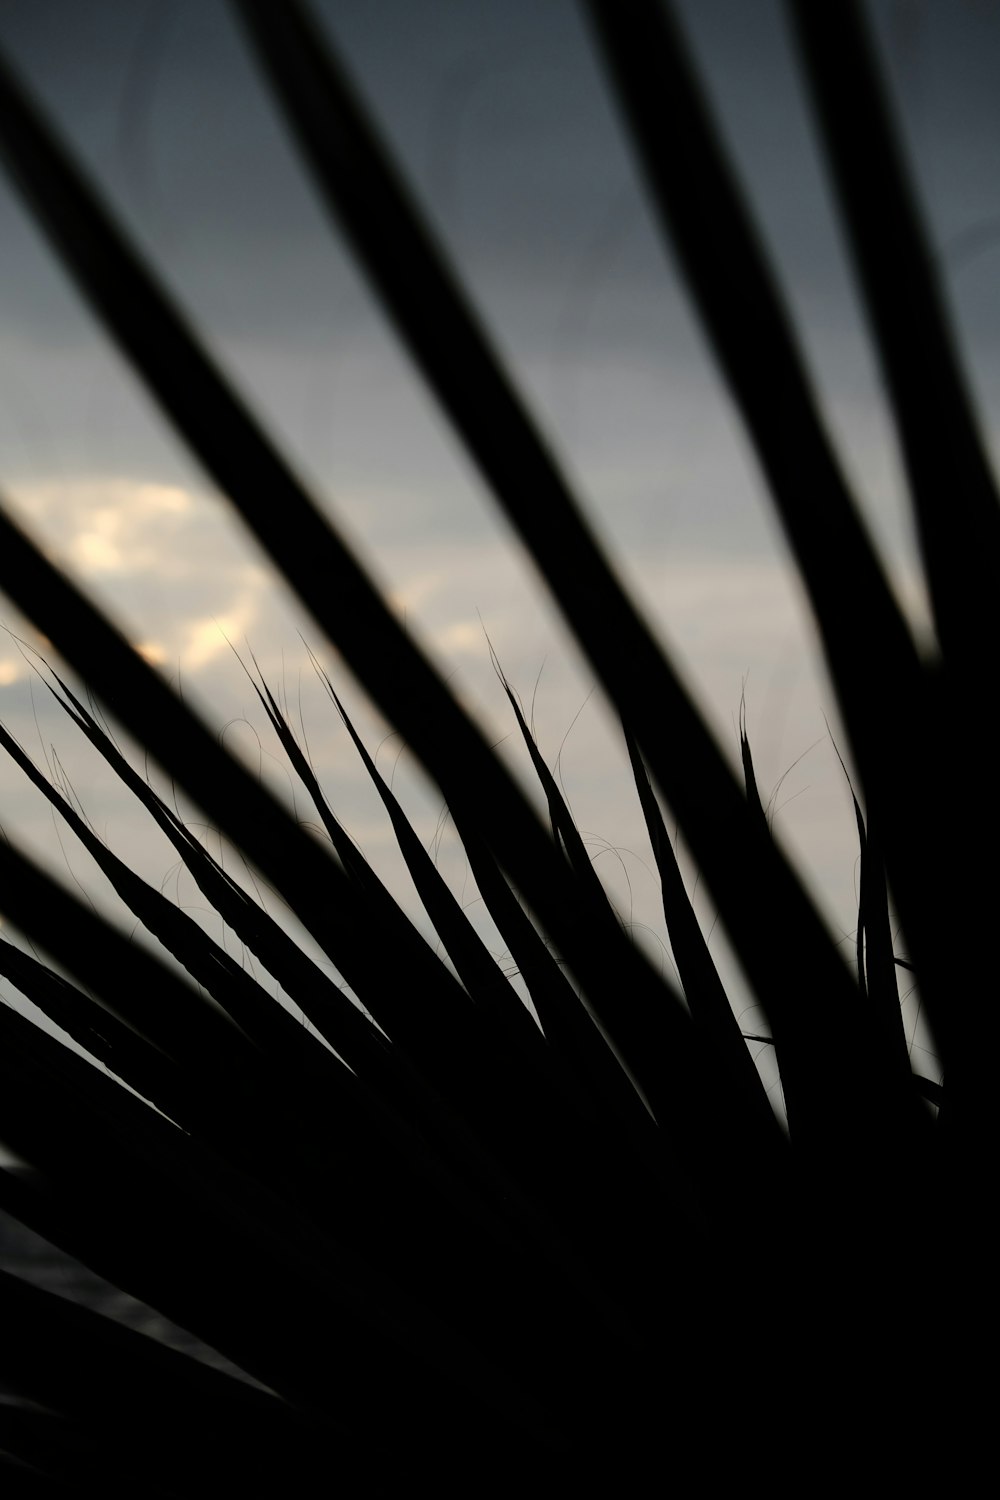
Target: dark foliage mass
{"type": "Point", "coordinates": [462, 1251]}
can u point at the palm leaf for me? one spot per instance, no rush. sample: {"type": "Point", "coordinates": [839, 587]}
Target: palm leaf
{"type": "Point", "coordinates": [449, 1241]}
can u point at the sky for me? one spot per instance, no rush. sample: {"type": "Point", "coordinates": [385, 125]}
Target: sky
{"type": "Point", "coordinates": [501, 119]}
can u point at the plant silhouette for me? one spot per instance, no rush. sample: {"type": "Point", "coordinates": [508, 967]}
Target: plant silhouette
{"type": "Point", "coordinates": [454, 1247]}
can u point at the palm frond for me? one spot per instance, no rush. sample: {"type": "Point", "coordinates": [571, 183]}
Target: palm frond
{"type": "Point", "coordinates": [457, 1228]}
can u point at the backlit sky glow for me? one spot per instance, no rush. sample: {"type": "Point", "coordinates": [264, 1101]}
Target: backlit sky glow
{"type": "Point", "coordinates": [501, 119]}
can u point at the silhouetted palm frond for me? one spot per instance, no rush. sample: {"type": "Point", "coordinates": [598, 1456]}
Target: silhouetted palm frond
{"type": "Point", "coordinates": [449, 1245]}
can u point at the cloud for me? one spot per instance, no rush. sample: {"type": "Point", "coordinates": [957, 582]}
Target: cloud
{"type": "Point", "coordinates": [207, 639]}
{"type": "Point", "coordinates": [108, 525]}
{"type": "Point", "coordinates": [166, 562]}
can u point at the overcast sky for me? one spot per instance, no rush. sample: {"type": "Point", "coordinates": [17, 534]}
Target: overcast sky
{"type": "Point", "coordinates": [502, 121]}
